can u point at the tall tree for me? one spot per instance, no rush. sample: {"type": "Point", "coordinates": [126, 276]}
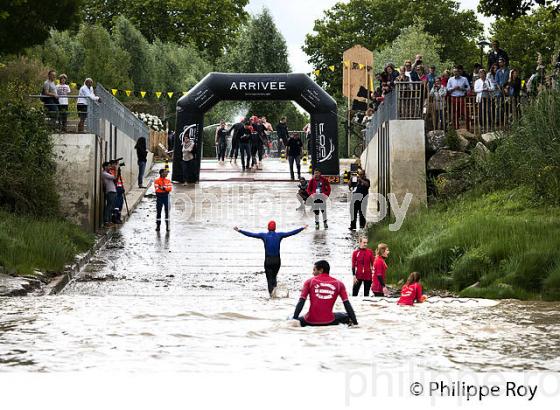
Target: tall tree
{"type": "Point", "coordinates": [210, 25]}
{"type": "Point", "coordinates": [528, 35]}
{"type": "Point", "coordinates": [376, 23]}
{"type": "Point", "coordinates": [514, 8]}
{"type": "Point", "coordinates": [24, 23]}
{"type": "Point", "coordinates": [260, 48]}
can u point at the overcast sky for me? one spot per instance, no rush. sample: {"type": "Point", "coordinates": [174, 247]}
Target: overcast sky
{"type": "Point", "coordinates": [295, 18]}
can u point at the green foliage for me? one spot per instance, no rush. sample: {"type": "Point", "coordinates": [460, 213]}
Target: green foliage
{"type": "Point", "coordinates": [526, 36]}
{"type": "Point", "coordinates": [19, 78]}
{"type": "Point", "coordinates": [513, 8]}
{"type": "Point", "coordinates": [500, 240]}
{"type": "Point", "coordinates": [412, 40]}
{"type": "Point", "coordinates": [25, 23]}
{"type": "Point", "coordinates": [209, 25]}
{"type": "Point", "coordinates": [375, 24]}
{"type": "Point", "coordinates": [27, 167]}
{"type": "Point", "coordinates": [452, 140]}
{"type": "Point", "coordinates": [29, 243]}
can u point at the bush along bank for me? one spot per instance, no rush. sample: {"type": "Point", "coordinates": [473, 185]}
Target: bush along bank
{"type": "Point", "coordinates": [37, 249]}
{"type": "Point", "coordinates": [498, 234]}
{"type": "Point", "coordinates": [494, 245]}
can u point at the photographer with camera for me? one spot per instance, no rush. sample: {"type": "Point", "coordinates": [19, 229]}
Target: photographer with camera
{"type": "Point", "coordinates": [110, 190]}
{"type": "Point", "coordinates": [119, 200]}
{"type": "Point", "coordinates": [359, 185]}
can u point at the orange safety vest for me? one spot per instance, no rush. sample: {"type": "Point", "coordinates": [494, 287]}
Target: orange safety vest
{"type": "Point", "coordinates": [163, 185]}
{"type": "Point", "coordinates": [118, 181]}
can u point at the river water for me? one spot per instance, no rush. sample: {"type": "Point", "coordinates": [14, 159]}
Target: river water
{"type": "Point", "coordinates": [195, 300]}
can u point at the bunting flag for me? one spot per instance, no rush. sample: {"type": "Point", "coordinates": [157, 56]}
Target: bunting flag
{"type": "Point", "coordinates": [362, 66]}
{"type": "Point", "coordinates": [73, 85]}
{"type": "Point", "coordinates": [128, 92]}
{"type": "Point", "coordinates": [317, 72]}
{"type": "Point", "coordinates": [331, 67]}
{"type": "Point", "coordinates": [169, 94]}
{"type": "Point", "coordinates": [114, 91]}
{"type": "Point", "coordinates": [158, 94]}
{"type": "Point", "coordinates": [142, 94]}
{"type": "Point", "coordinates": [347, 64]}
{"type": "Point", "coordinates": [371, 83]}
{"type": "Point", "coordinates": [185, 93]}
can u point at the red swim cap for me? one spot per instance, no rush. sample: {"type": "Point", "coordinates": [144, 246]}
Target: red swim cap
{"type": "Point", "coordinates": [272, 226]}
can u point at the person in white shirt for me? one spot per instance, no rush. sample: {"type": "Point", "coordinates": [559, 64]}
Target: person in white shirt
{"type": "Point", "coordinates": [483, 87]}
{"type": "Point", "coordinates": [458, 86]}
{"type": "Point", "coordinates": [63, 90]}
{"type": "Point", "coordinates": [86, 95]}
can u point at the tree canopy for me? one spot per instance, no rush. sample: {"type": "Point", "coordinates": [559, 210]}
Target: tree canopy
{"type": "Point", "coordinates": [25, 23]}
{"type": "Point", "coordinates": [209, 25]}
{"type": "Point", "coordinates": [376, 23]}
{"type": "Point", "coordinates": [514, 8]}
{"type": "Point", "coordinates": [528, 35]}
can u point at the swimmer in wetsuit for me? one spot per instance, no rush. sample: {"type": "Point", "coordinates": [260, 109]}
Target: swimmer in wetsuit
{"type": "Point", "coordinates": [272, 260]}
{"type": "Point", "coordinates": [323, 290]}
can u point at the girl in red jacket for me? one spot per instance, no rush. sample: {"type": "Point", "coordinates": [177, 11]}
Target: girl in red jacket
{"type": "Point", "coordinates": [378, 286]}
{"type": "Point", "coordinates": [362, 267]}
{"type": "Point", "coordinates": [412, 291]}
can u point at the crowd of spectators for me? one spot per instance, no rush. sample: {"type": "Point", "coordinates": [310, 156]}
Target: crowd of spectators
{"type": "Point", "coordinates": [497, 81]}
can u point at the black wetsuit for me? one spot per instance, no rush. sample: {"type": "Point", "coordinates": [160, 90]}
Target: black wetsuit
{"type": "Point", "coordinates": [237, 131]}
{"type": "Point", "coordinates": [221, 139]}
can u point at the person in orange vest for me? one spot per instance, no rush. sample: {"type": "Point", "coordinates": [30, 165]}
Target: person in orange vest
{"type": "Point", "coordinates": [162, 187]}
{"type": "Point", "coordinates": [119, 201]}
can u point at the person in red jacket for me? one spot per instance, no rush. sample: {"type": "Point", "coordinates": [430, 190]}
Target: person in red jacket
{"type": "Point", "coordinates": [412, 291]}
{"type": "Point", "coordinates": [362, 267]}
{"type": "Point", "coordinates": [323, 290]}
{"type": "Point", "coordinates": [319, 190]}
{"type": "Point", "coordinates": [378, 286]}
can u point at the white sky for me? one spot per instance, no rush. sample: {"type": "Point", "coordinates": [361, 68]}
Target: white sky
{"type": "Point", "coordinates": [295, 18]}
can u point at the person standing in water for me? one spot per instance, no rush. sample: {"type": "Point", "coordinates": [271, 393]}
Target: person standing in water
{"type": "Point", "coordinates": [323, 290]}
{"type": "Point", "coordinates": [378, 286]}
{"type": "Point", "coordinates": [221, 141]}
{"type": "Point", "coordinates": [412, 291]}
{"type": "Point", "coordinates": [272, 260]}
{"type": "Point", "coordinates": [362, 267]}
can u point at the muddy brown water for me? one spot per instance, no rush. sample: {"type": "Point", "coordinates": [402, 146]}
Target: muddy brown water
{"type": "Point", "coordinates": [195, 300]}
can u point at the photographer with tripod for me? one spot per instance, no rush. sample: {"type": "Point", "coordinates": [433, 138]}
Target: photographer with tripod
{"type": "Point", "coordinates": [120, 199]}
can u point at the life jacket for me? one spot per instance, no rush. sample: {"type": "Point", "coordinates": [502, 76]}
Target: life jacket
{"type": "Point", "coordinates": [163, 186]}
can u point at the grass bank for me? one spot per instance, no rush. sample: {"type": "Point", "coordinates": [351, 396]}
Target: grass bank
{"type": "Point", "coordinates": [28, 243]}
{"type": "Point", "coordinates": [502, 240]}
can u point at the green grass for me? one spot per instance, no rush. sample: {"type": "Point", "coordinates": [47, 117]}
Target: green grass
{"type": "Point", "coordinates": [28, 243]}
{"type": "Point", "coordinates": [502, 240]}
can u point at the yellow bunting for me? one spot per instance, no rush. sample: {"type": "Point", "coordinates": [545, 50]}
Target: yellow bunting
{"type": "Point", "coordinates": [185, 93]}
{"type": "Point", "coordinates": [362, 66]}
{"type": "Point", "coordinates": [142, 94]}
{"type": "Point", "coordinates": [317, 72]}
{"type": "Point", "coordinates": [114, 91]}
{"type": "Point", "coordinates": [73, 85]}
{"type": "Point", "coordinates": [346, 64]}
{"type": "Point", "coordinates": [128, 92]}
{"type": "Point", "coordinates": [170, 94]}
{"type": "Point", "coordinates": [158, 94]}
{"type": "Point", "coordinates": [371, 83]}
{"type": "Point", "coordinates": [331, 67]}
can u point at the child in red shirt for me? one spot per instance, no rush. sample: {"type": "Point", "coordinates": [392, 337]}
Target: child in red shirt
{"type": "Point", "coordinates": [412, 291]}
{"type": "Point", "coordinates": [378, 286]}
{"type": "Point", "coordinates": [323, 290]}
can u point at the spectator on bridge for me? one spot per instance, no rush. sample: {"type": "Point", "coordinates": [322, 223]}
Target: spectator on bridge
{"type": "Point", "coordinates": [410, 70]}
{"type": "Point", "coordinates": [390, 74]}
{"type": "Point", "coordinates": [444, 78]}
{"type": "Point", "coordinates": [492, 77]}
{"type": "Point", "coordinates": [484, 88]}
{"type": "Point", "coordinates": [458, 87]}
{"type": "Point", "coordinates": [142, 156]}
{"type": "Point", "coordinates": [282, 133]}
{"type": "Point", "coordinates": [63, 89]}
{"type": "Point", "coordinates": [513, 86]}
{"type": "Point", "coordinates": [50, 96]}
{"type": "Point", "coordinates": [496, 53]}
{"type": "Point", "coordinates": [403, 77]}
{"type": "Point", "coordinates": [438, 95]}
{"type": "Point", "coordinates": [86, 96]}
{"type": "Point", "coordinates": [463, 73]}
{"type": "Point", "coordinates": [476, 69]}
{"type": "Point", "coordinates": [502, 74]}
{"type": "Point", "coordinates": [431, 77]}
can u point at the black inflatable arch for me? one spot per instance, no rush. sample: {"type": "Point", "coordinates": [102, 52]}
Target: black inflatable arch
{"type": "Point", "coordinates": [216, 87]}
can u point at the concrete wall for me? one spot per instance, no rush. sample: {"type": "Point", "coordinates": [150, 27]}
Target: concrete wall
{"type": "Point", "coordinates": [396, 154]}
{"type": "Point", "coordinates": [79, 158]}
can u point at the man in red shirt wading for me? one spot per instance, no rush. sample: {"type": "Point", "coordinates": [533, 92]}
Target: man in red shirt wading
{"type": "Point", "coordinates": [362, 267]}
{"type": "Point", "coordinates": [319, 190]}
{"type": "Point", "coordinates": [323, 290]}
